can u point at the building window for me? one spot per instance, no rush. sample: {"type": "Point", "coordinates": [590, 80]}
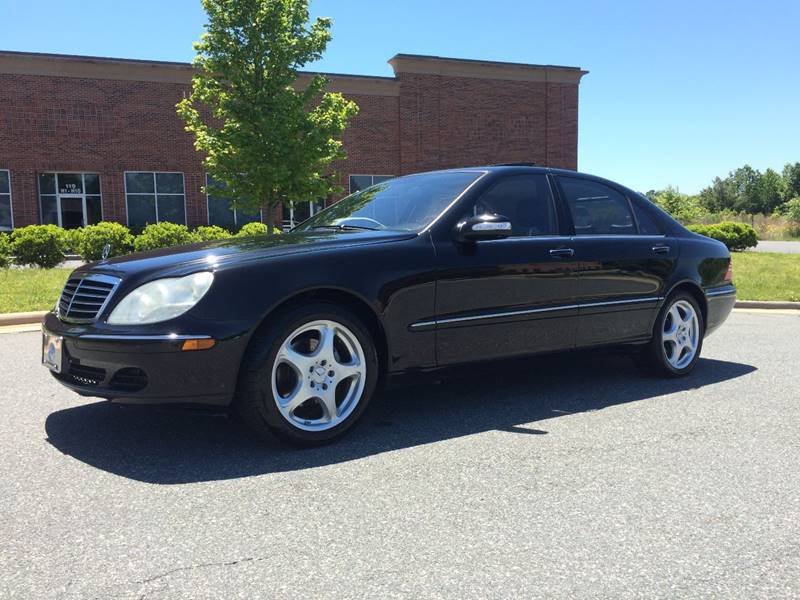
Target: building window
{"type": "Point", "coordinates": [295, 213]}
{"type": "Point", "coordinates": [154, 197]}
{"type": "Point", "coordinates": [361, 182]}
{"type": "Point", "coordinates": [220, 211]}
{"type": "Point", "coordinates": [70, 200]}
{"type": "Point", "coordinates": [6, 218]}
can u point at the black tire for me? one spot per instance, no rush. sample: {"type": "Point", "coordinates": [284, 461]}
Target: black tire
{"type": "Point", "coordinates": [255, 402]}
{"type": "Point", "coordinates": [653, 357]}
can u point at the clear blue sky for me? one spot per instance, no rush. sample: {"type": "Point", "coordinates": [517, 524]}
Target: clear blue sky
{"type": "Point", "coordinates": [678, 91]}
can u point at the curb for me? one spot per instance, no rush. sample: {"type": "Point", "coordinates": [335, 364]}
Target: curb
{"type": "Point", "coordinates": [29, 318]}
{"type": "Point", "coordinates": [23, 318]}
{"type": "Point", "coordinates": [767, 304]}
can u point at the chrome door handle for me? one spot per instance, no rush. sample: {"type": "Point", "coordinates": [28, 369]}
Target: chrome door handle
{"type": "Point", "coordinates": [562, 252]}
{"type": "Point", "coordinates": [661, 249]}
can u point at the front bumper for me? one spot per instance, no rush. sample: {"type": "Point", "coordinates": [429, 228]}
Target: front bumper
{"type": "Point", "coordinates": [146, 369]}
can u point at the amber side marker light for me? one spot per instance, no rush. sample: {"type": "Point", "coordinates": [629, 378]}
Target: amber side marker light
{"type": "Point", "coordinates": [197, 345]}
{"type": "Point", "coordinates": [729, 272]}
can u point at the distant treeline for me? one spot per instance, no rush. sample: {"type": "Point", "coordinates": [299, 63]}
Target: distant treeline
{"type": "Point", "coordinates": [745, 190]}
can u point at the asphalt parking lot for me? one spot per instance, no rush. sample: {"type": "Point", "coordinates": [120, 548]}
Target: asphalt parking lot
{"type": "Point", "coordinates": [572, 476]}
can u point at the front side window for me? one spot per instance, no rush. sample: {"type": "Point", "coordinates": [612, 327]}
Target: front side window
{"type": "Point", "coordinates": [407, 203]}
{"type": "Point", "coordinates": [525, 200]}
{"type": "Point", "coordinates": [154, 197]}
{"type": "Point", "coordinates": [6, 218]}
{"type": "Point", "coordinates": [362, 182]}
{"type": "Point", "coordinates": [70, 200]}
{"type": "Point", "coordinates": [596, 208]}
{"type": "Point", "coordinates": [222, 212]}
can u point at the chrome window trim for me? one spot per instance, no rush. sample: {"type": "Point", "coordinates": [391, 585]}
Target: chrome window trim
{"type": "Point", "coordinates": [531, 311]}
{"type": "Point", "coordinates": [109, 279]}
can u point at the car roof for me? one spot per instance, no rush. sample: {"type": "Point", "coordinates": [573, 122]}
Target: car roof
{"type": "Point", "coordinates": [529, 168]}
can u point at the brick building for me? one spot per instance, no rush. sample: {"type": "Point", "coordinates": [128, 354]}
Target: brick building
{"type": "Point", "coordinates": [84, 139]}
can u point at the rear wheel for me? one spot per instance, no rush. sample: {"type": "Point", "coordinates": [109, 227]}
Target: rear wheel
{"type": "Point", "coordinates": [677, 337]}
{"type": "Point", "coordinates": [309, 377]}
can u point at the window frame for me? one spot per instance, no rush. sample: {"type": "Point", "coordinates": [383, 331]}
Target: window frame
{"type": "Point", "coordinates": [610, 185]}
{"type": "Point", "coordinates": [155, 194]}
{"type": "Point", "coordinates": [372, 180]}
{"type": "Point", "coordinates": [58, 195]}
{"type": "Point", "coordinates": [10, 201]}
{"type": "Point", "coordinates": [235, 210]}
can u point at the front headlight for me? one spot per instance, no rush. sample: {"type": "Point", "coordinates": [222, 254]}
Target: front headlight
{"type": "Point", "coordinates": [161, 300]}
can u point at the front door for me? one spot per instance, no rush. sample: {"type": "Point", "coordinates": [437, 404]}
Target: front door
{"type": "Point", "coordinates": [623, 263]}
{"type": "Point", "coordinates": [512, 296]}
{"type": "Point", "coordinates": [70, 200]}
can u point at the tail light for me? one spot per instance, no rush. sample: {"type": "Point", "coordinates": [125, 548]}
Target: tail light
{"type": "Point", "coordinates": [729, 272]}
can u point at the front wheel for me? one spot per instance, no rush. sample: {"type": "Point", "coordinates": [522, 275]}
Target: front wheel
{"type": "Point", "coordinates": [310, 376]}
{"type": "Point", "coordinates": [677, 337]}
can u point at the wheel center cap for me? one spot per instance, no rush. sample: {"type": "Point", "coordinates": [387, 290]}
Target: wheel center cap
{"type": "Point", "coordinates": [318, 375]}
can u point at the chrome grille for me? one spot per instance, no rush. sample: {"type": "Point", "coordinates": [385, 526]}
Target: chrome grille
{"type": "Point", "coordinates": [84, 298]}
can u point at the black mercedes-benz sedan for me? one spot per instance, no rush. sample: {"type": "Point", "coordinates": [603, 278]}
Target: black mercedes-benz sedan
{"type": "Point", "coordinates": [295, 331]}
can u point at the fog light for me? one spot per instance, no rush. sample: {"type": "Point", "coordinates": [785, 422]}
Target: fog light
{"type": "Point", "coordinates": [198, 344]}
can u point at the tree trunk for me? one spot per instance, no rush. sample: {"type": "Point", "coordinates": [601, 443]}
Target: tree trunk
{"type": "Point", "coordinates": [270, 218]}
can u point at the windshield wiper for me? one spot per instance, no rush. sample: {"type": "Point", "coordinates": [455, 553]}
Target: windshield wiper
{"type": "Point", "coordinates": [345, 227]}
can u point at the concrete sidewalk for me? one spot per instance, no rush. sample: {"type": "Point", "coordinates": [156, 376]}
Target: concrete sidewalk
{"type": "Point", "coordinates": [780, 247]}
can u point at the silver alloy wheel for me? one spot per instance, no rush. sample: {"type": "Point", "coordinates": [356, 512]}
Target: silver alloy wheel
{"type": "Point", "coordinates": [319, 375]}
{"type": "Point", "coordinates": [681, 334]}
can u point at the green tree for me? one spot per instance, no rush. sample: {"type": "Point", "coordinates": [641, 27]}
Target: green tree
{"type": "Point", "coordinates": [683, 207]}
{"type": "Point", "coordinates": [744, 181]}
{"type": "Point", "coordinates": [720, 195]}
{"type": "Point", "coordinates": [264, 137]}
{"type": "Point", "coordinates": [769, 192]}
{"type": "Point", "coordinates": [791, 175]}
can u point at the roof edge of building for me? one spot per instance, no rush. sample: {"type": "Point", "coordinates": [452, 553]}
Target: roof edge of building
{"type": "Point", "coordinates": [130, 69]}
{"type": "Point", "coordinates": [422, 64]}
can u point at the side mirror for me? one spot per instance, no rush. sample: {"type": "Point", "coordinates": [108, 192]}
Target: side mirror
{"type": "Point", "coordinates": [483, 227]}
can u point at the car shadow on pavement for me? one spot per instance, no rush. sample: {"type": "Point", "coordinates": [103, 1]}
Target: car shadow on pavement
{"type": "Point", "coordinates": [170, 446]}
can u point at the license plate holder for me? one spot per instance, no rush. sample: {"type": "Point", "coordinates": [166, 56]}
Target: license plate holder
{"type": "Point", "coordinates": [53, 352]}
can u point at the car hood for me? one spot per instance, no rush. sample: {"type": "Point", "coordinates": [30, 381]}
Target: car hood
{"type": "Point", "coordinates": [225, 253]}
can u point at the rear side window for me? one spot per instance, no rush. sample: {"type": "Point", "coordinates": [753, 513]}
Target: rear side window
{"type": "Point", "coordinates": [525, 200]}
{"type": "Point", "coordinates": [647, 224]}
{"type": "Point", "coordinates": [597, 209]}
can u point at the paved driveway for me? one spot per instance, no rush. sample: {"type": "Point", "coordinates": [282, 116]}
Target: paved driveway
{"type": "Point", "coordinates": [564, 477]}
{"type": "Point", "coordinates": [782, 247]}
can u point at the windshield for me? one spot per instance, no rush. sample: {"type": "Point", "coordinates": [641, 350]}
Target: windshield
{"type": "Point", "coordinates": [408, 203]}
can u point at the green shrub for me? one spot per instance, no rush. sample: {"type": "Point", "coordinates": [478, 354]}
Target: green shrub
{"type": "Point", "coordinates": [736, 236]}
{"type": "Point", "coordinates": [252, 229]}
{"type": "Point", "coordinates": [71, 240]}
{"type": "Point", "coordinates": [211, 232]}
{"type": "Point", "coordinates": [40, 245]}
{"type": "Point", "coordinates": [5, 251]}
{"type": "Point", "coordinates": [163, 235]}
{"type": "Point", "coordinates": [90, 241]}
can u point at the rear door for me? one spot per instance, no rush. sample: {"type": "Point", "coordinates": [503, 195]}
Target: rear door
{"type": "Point", "coordinates": [623, 262]}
